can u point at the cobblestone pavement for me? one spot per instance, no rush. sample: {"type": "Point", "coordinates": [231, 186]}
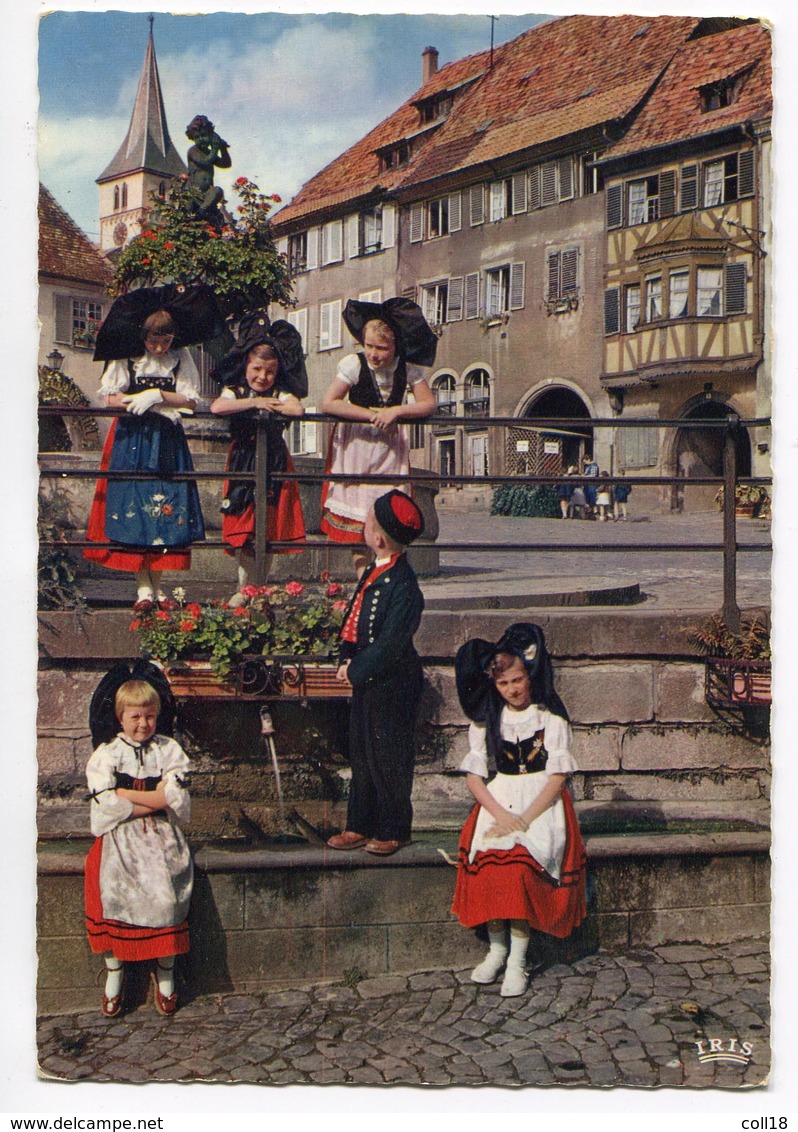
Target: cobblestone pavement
{"type": "Point", "coordinates": [669, 580]}
{"type": "Point", "coordinates": [634, 1019]}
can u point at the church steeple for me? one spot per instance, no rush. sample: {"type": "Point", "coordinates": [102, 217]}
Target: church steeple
{"type": "Point", "coordinates": [145, 161]}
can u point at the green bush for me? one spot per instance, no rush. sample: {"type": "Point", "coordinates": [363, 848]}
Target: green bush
{"type": "Point", "coordinates": [522, 501]}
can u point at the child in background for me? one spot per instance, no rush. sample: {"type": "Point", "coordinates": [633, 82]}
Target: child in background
{"type": "Point", "coordinates": [139, 873]}
{"type": "Point", "coordinates": [264, 372]}
{"type": "Point", "coordinates": [604, 498]}
{"type": "Point", "coordinates": [147, 526]}
{"type": "Point", "coordinates": [368, 395]}
{"type": "Point", "coordinates": [378, 658]}
{"type": "Point", "coordinates": [621, 492]}
{"type": "Point", "coordinates": [521, 863]}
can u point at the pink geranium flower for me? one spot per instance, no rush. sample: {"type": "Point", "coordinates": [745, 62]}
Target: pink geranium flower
{"type": "Point", "coordinates": [340, 606]}
{"type": "Point", "coordinates": [294, 589]}
{"type": "Point", "coordinates": [334, 589]}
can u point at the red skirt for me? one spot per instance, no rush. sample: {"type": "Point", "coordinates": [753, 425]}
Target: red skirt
{"type": "Point", "coordinates": [512, 885]}
{"type": "Point", "coordinates": [110, 555]}
{"type": "Point", "coordinates": [127, 942]}
{"type": "Point", "coordinates": [284, 522]}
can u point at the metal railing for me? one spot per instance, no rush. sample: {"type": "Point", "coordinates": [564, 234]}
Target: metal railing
{"type": "Point", "coordinates": [262, 479]}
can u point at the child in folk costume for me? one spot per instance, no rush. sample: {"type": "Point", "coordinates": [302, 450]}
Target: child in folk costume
{"type": "Point", "coordinates": [368, 395]}
{"type": "Point", "coordinates": [521, 862]}
{"type": "Point", "coordinates": [378, 658]}
{"type": "Point", "coordinates": [147, 526]}
{"type": "Point", "coordinates": [139, 873]}
{"type": "Point", "coordinates": [604, 498]}
{"type": "Point", "coordinates": [264, 372]}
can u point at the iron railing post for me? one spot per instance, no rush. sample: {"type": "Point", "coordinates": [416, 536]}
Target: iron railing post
{"type": "Point", "coordinates": [262, 486]}
{"type": "Point", "coordinates": [731, 610]}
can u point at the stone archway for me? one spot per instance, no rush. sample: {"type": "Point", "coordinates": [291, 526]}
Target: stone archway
{"type": "Point", "coordinates": [560, 401]}
{"type": "Point", "coordinates": [698, 452]}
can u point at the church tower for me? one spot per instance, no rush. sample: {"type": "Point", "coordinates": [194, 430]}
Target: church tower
{"type": "Point", "coordinates": [144, 163]}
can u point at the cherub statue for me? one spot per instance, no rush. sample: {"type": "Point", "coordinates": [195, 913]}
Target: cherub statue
{"type": "Point", "coordinates": [207, 152]}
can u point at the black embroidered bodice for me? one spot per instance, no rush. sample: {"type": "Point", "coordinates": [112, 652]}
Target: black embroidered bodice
{"type": "Point", "coordinates": [366, 393]}
{"type": "Point", "coordinates": [526, 756]}
{"type": "Point", "coordinates": [140, 382]}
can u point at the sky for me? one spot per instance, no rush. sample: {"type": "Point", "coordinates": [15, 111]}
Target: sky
{"type": "Point", "coordinates": [288, 92]}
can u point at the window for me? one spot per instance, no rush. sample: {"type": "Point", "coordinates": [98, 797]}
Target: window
{"type": "Point", "coordinates": [631, 307]}
{"type": "Point", "coordinates": [729, 178]}
{"type": "Point", "coordinates": [643, 200]}
{"type": "Point", "coordinates": [162, 189]}
{"type": "Point", "coordinates": [124, 194]}
{"type": "Point", "coordinates": [330, 325]}
{"type": "Point", "coordinates": [77, 320]}
{"type": "Point", "coordinates": [435, 302]}
{"type": "Point", "coordinates": [678, 288]}
{"type": "Point", "coordinates": [551, 182]}
{"type": "Point", "coordinates": [723, 92]}
{"type": "Point", "coordinates": [709, 292]}
{"type": "Point", "coordinates": [332, 242]}
{"type": "Point", "coordinates": [444, 389]}
{"type": "Point", "coordinates": [116, 198]}
{"type": "Point", "coordinates": [476, 401]}
{"type": "Point", "coordinates": [504, 289]}
{"type": "Point", "coordinates": [477, 455]}
{"type": "Point", "coordinates": [370, 296]}
{"type": "Point", "coordinates": [395, 156]}
{"type": "Point", "coordinates": [299, 319]}
{"type": "Point", "coordinates": [562, 274]}
{"type": "Point", "coordinates": [500, 199]}
{"type": "Point", "coordinates": [416, 431]}
{"type": "Point", "coordinates": [446, 458]}
{"type": "Point", "coordinates": [298, 253]}
{"type": "Point", "coordinates": [302, 435]}
{"type": "Point", "coordinates": [369, 232]}
{"type": "Point", "coordinates": [438, 218]}
{"type": "Point", "coordinates": [653, 298]}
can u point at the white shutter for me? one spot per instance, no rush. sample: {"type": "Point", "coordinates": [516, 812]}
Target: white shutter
{"type": "Point", "coordinates": [332, 239]}
{"type": "Point", "coordinates": [548, 178]}
{"type": "Point", "coordinates": [455, 306]}
{"type": "Point", "coordinates": [472, 295]}
{"type": "Point", "coordinates": [330, 325]}
{"type": "Point", "coordinates": [517, 286]}
{"type": "Point", "coordinates": [497, 200]}
{"type": "Point", "coordinates": [313, 249]}
{"type": "Point", "coordinates": [324, 326]}
{"type": "Point", "coordinates": [455, 212]}
{"type": "Point", "coordinates": [416, 223]}
{"type": "Point", "coordinates": [309, 432]}
{"type": "Point", "coordinates": [299, 319]}
{"type": "Point", "coordinates": [353, 233]}
{"type": "Point", "coordinates": [282, 246]}
{"type": "Point", "coordinates": [388, 225]}
{"type": "Point", "coordinates": [370, 296]}
{"type": "Point", "coordinates": [519, 193]}
{"type": "Point", "coordinates": [428, 303]}
{"type": "Point", "coordinates": [335, 323]}
{"type": "Point", "coordinates": [63, 319]}
{"type": "Point", "coordinates": [476, 203]}
{"type": "Point", "coordinates": [534, 188]}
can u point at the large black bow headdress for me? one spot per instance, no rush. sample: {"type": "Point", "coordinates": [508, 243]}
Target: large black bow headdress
{"type": "Point", "coordinates": [103, 722]}
{"type": "Point", "coordinates": [256, 329]}
{"type": "Point", "coordinates": [415, 341]}
{"type": "Point", "coordinates": [478, 696]}
{"type": "Point", "coordinates": [193, 309]}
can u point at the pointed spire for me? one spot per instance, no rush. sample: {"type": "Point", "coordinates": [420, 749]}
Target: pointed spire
{"type": "Point", "coordinates": [147, 144]}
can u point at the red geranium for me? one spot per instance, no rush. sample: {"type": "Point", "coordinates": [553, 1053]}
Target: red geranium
{"type": "Point", "coordinates": [240, 611]}
{"type": "Point", "coordinates": [241, 180]}
{"type": "Point", "coordinates": [162, 615]}
{"type": "Point", "coordinates": [294, 589]}
{"type": "Point", "coordinates": [340, 606]}
{"type": "Point", "coordinates": [187, 626]}
{"type": "Point", "coordinates": [334, 589]}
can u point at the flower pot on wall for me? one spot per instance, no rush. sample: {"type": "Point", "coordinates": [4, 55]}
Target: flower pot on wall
{"type": "Point", "coordinates": [261, 678]}
{"type": "Point", "coordinates": [737, 682]}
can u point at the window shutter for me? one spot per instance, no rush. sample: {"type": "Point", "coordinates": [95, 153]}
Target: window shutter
{"type": "Point", "coordinates": [63, 319]}
{"type": "Point", "coordinates": [313, 249]}
{"type": "Point", "coordinates": [497, 200]}
{"type": "Point", "coordinates": [455, 305]}
{"type": "Point", "coordinates": [455, 212]}
{"type": "Point", "coordinates": [476, 202]}
{"type": "Point", "coordinates": [614, 206]}
{"type": "Point", "coordinates": [332, 242]}
{"type": "Point", "coordinates": [353, 229]}
{"type": "Point", "coordinates": [388, 225]}
{"type": "Point", "coordinates": [566, 168]}
{"type": "Point", "coordinates": [534, 188]}
{"type": "Point", "coordinates": [667, 193]}
{"type": "Point", "coordinates": [612, 310]}
{"type": "Point", "coordinates": [569, 264]}
{"type": "Point", "coordinates": [519, 193]}
{"type": "Point", "coordinates": [689, 191]}
{"type": "Point", "coordinates": [282, 245]}
{"type": "Point", "coordinates": [299, 320]}
{"type": "Point", "coordinates": [472, 295]}
{"type": "Point", "coordinates": [309, 441]}
{"type": "Point", "coordinates": [335, 323]}
{"type": "Point", "coordinates": [548, 183]}
{"type": "Point", "coordinates": [517, 286]}
{"type": "Point", "coordinates": [736, 274]}
{"type": "Point", "coordinates": [553, 264]}
{"type": "Point", "coordinates": [324, 326]}
{"type": "Point", "coordinates": [745, 173]}
{"type": "Point", "coordinates": [416, 223]}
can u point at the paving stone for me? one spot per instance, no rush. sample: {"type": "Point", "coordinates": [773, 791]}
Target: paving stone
{"type": "Point", "coordinates": [380, 988]}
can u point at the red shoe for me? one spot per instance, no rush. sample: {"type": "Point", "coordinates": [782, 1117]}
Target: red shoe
{"type": "Point", "coordinates": [111, 1007]}
{"type": "Point", "coordinates": [384, 848]}
{"type": "Point", "coordinates": [347, 840]}
{"type": "Point", "coordinates": [166, 1006]}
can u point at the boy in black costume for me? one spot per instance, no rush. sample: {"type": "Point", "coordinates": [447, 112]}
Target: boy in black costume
{"type": "Point", "coordinates": [378, 658]}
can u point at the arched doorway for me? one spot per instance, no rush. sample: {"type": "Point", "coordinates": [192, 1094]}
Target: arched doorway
{"type": "Point", "coordinates": [559, 401]}
{"type": "Point", "coordinates": [699, 451]}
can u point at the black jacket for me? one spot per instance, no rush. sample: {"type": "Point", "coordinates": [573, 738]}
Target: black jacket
{"type": "Point", "coordinates": [389, 616]}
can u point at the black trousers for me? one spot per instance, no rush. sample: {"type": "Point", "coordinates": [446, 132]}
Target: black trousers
{"type": "Point", "coordinates": [381, 750]}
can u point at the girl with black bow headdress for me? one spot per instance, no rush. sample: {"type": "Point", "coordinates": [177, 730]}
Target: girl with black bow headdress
{"type": "Point", "coordinates": [521, 862]}
{"type": "Point", "coordinates": [147, 526]}
{"type": "Point", "coordinates": [264, 372]}
{"type": "Point", "coordinates": [368, 395]}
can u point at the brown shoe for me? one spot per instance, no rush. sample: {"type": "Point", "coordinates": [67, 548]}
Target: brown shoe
{"type": "Point", "coordinates": [347, 840]}
{"type": "Point", "coordinates": [384, 848]}
{"type": "Point", "coordinates": [165, 1005]}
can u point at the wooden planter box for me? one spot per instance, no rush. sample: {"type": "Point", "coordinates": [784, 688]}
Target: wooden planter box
{"type": "Point", "coordinates": [262, 678]}
{"type": "Point", "coordinates": [730, 683]}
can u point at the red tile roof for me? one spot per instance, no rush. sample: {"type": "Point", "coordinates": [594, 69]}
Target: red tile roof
{"type": "Point", "coordinates": [549, 82]}
{"type": "Point", "coordinates": [66, 252]}
{"type": "Point", "coordinates": [674, 110]}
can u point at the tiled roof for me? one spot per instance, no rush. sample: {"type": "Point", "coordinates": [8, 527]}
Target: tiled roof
{"type": "Point", "coordinates": [64, 250]}
{"type": "Point", "coordinates": [547, 83]}
{"type": "Point", "coordinates": [674, 110]}
{"type": "Point", "coordinates": [147, 144]}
